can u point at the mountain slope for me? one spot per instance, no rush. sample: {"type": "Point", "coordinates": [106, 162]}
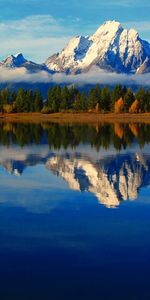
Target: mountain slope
{"type": "Point", "coordinates": [111, 47]}
{"type": "Point", "coordinates": [18, 61]}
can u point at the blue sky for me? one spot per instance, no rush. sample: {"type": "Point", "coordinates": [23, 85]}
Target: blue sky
{"type": "Point", "coordinates": [40, 28]}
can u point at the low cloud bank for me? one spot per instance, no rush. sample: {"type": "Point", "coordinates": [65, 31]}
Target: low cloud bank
{"type": "Point", "coordinates": [94, 76]}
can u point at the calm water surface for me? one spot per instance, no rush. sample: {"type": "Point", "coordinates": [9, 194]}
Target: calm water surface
{"type": "Point", "coordinates": [74, 212]}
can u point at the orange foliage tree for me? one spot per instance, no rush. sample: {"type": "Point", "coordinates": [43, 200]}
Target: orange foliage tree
{"type": "Point", "coordinates": [119, 131]}
{"type": "Point", "coordinates": [134, 107]}
{"type": "Point", "coordinates": [119, 106]}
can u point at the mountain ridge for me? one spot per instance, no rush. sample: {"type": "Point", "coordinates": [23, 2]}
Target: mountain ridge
{"type": "Point", "coordinates": [111, 48]}
{"type": "Point", "coordinates": [17, 61]}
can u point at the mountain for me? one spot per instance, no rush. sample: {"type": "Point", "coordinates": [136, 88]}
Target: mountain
{"type": "Point", "coordinates": [112, 179]}
{"type": "Point", "coordinates": [15, 161]}
{"type": "Point", "coordinates": [145, 67]}
{"type": "Point", "coordinates": [18, 61]}
{"type": "Point", "coordinates": [111, 48]}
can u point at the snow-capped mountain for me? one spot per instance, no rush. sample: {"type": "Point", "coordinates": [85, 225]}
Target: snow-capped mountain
{"type": "Point", "coordinates": [112, 179]}
{"type": "Point", "coordinates": [18, 61]}
{"type": "Point", "coordinates": [111, 48]}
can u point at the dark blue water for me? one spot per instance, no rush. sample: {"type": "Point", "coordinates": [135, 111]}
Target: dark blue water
{"type": "Point", "coordinates": [74, 219]}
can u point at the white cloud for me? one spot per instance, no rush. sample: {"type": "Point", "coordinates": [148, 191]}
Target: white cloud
{"type": "Point", "coordinates": [92, 77]}
{"type": "Point", "coordinates": [36, 49]}
{"type": "Point", "coordinates": [33, 25]}
{"type": "Point", "coordinates": [37, 36]}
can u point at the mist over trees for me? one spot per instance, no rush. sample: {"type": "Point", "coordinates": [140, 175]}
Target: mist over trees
{"type": "Point", "coordinates": [61, 99]}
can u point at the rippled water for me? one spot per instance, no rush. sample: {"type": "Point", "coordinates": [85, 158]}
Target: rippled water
{"type": "Point", "coordinates": [74, 211]}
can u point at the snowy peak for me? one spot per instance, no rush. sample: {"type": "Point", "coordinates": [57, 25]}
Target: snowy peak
{"type": "Point", "coordinates": [108, 29]}
{"type": "Point", "coordinates": [20, 58]}
{"type": "Point", "coordinates": [18, 61]}
{"type": "Point", "coordinates": [77, 46]}
{"type": "Point", "coordinates": [74, 52]}
{"type": "Point", "coordinates": [13, 61]}
{"type": "Point", "coordinates": [111, 47]}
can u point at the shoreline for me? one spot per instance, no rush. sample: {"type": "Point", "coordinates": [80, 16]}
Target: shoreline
{"type": "Point", "coordinates": [76, 117]}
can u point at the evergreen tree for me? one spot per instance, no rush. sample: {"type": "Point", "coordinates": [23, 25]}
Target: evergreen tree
{"type": "Point", "coordinates": [73, 91]}
{"type": "Point", "coordinates": [38, 101]}
{"type": "Point", "coordinates": [77, 103]}
{"type": "Point", "coordinates": [49, 101]}
{"type": "Point", "coordinates": [5, 96]}
{"type": "Point", "coordinates": [141, 97]}
{"type": "Point", "coordinates": [80, 103]}
{"type": "Point", "coordinates": [13, 97]}
{"type": "Point", "coordinates": [30, 101]}
{"type": "Point", "coordinates": [20, 100]}
{"type": "Point", "coordinates": [117, 93]}
{"type": "Point", "coordinates": [65, 98]}
{"type": "Point", "coordinates": [128, 100]}
{"type": "Point", "coordinates": [84, 101]}
{"type": "Point", "coordinates": [94, 97]}
{"type": "Point", "coordinates": [56, 98]}
{"type": "Point", "coordinates": [147, 102]}
{"type": "Point", "coordinates": [105, 99]}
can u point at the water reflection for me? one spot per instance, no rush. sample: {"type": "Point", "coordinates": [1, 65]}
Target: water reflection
{"type": "Point", "coordinates": [58, 136]}
{"type": "Point", "coordinates": [111, 179]}
{"type": "Point", "coordinates": [53, 232]}
{"type": "Point", "coordinates": [112, 162]}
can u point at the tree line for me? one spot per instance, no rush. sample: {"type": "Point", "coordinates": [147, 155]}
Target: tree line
{"type": "Point", "coordinates": [57, 136]}
{"type": "Point", "coordinates": [60, 99]}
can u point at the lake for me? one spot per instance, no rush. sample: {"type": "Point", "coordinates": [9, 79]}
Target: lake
{"type": "Point", "coordinates": [74, 211]}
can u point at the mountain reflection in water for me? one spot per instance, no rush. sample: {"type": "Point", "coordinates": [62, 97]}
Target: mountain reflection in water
{"type": "Point", "coordinates": [56, 241]}
{"type": "Point", "coordinates": [110, 161]}
{"type": "Point", "coordinates": [111, 179]}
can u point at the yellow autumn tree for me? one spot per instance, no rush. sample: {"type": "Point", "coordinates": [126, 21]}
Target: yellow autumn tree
{"type": "Point", "coordinates": [134, 107]}
{"type": "Point", "coordinates": [8, 108]}
{"type": "Point", "coordinates": [97, 108]}
{"type": "Point", "coordinates": [119, 106]}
